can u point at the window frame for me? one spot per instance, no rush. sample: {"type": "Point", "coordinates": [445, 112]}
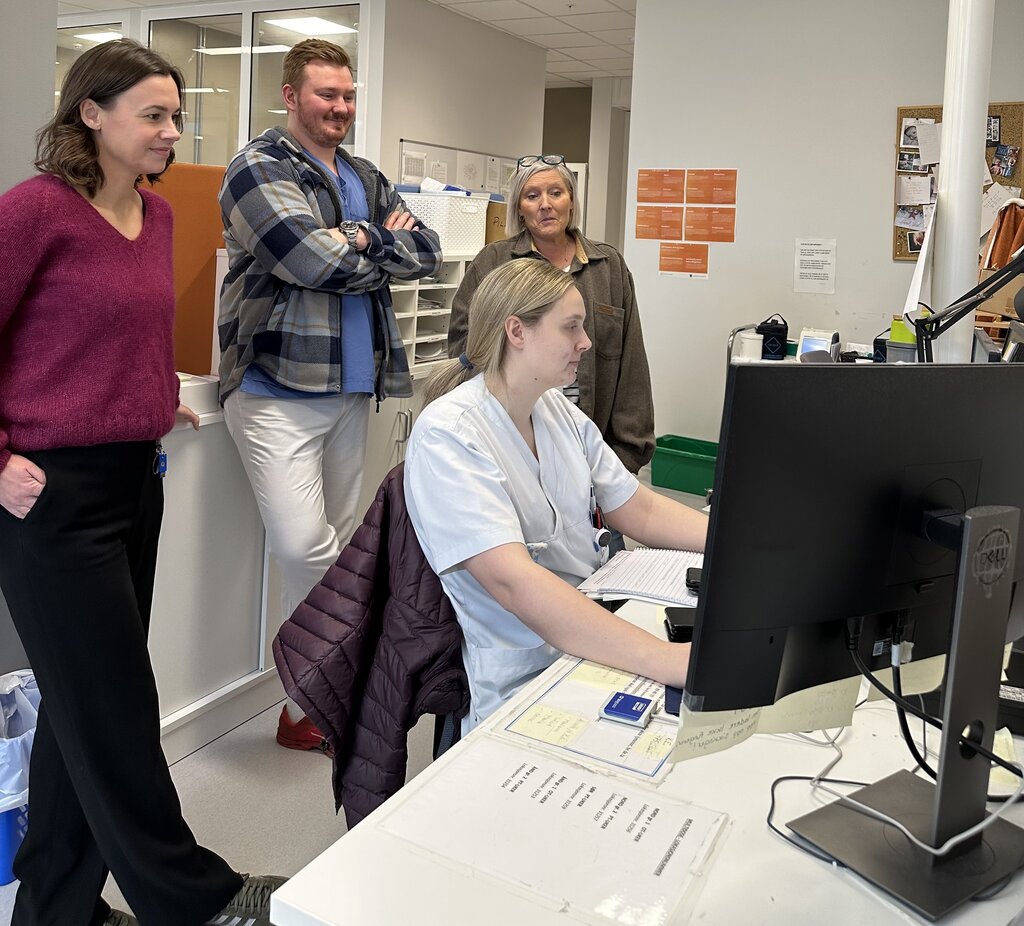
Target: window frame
{"type": "Point", "coordinates": [135, 24]}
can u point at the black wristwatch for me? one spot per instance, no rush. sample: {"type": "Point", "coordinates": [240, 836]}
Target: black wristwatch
{"type": "Point", "coordinates": [351, 231]}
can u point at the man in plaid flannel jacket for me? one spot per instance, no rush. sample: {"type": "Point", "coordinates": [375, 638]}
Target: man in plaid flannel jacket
{"type": "Point", "coordinates": [307, 331]}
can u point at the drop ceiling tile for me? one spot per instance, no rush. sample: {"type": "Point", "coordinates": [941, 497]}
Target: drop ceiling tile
{"type": "Point", "coordinates": [564, 40]}
{"type": "Point", "coordinates": [100, 6]}
{"type": "Point", "coordinates": [566, 7]}
{"type": "Point", "coordinates": [595, 52]}
{"type": "Point", "coordinates": [594, 22]}
{"type": "Point", "coordinates": [563, 82]}
{"type": "Point", "coordinates": [543, 25]}
{"type": "Point", "coordinates": [569, 67]}
{"type": "Point", "coordinates": [614, 37]}
{"type": "Point", "coordinates": [613, 64]}
{"type": "Point", "coordinates": [490, 10]}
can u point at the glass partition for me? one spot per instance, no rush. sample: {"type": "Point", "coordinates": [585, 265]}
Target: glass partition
{"type": "Point", "coordinates": [73, 41]}
{"type": "Point", "coordinates": [208, 51]}
{"type": "Point", "coordinates": [273, 34]}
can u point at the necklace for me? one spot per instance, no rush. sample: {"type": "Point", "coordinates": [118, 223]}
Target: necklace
{"type": "Point", "coordinates": [570, 252]}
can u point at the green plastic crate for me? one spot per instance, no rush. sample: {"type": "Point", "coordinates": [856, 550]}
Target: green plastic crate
{"type": "Point", "coordinates": [684, 464]}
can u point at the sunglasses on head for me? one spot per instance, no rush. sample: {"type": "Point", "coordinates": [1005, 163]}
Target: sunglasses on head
{"type": "Point", "coordinates": [530, 159]}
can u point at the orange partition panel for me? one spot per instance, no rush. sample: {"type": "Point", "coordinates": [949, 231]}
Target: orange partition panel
{"type": "Point", "coordinates": [191, 189]}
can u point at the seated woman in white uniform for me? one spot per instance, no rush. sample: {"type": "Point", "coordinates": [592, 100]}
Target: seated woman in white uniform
{"type": "Point", "coordinates": [504, 481]}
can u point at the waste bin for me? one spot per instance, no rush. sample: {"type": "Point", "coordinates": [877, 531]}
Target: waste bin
{"type": "Point", "coordinates": [19, 707]}
{"type": "Point", "coordinates": [684, 464]}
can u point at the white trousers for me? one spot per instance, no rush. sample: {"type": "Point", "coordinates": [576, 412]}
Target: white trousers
{"type": "Point", "coordinates": [304, 459]}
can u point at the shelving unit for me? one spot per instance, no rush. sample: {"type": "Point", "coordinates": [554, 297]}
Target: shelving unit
{"type": "Point", "coordinates": [423, 310]}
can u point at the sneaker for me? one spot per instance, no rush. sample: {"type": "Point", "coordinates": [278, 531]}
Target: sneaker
{"type": "Point", "coordinates": [117, 918]}
{"type": "Point", "coordinates": [301, 735]}
{"type": "Point", "coordinates": [251, 905]}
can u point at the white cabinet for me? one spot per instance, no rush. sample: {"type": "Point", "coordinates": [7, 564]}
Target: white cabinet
{"type": "Point", "coordinates": [423, 309]}
{"type": "Point", "coordinates": [386, 440]}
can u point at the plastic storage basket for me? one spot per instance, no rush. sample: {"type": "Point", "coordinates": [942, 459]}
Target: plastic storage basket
{"type": "Point", "coordinates": [684, 464]}
{"type": "Point", "coordinates": [13, 826]}
{"type": "Point", "coordinates": [459, 220]}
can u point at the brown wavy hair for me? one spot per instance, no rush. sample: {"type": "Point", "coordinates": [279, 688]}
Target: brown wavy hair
{"type": "Point", "coordinates": [65, 145]}
{"type": "Point", "coordinates": [293, 68]}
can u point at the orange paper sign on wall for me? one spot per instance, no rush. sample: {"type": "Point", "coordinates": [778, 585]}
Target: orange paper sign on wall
{"type": "Point", "coordinates": [708, 223]}
{"type": "Point", "coordinates": [684, 258]}
{"type": "Point", "coordinates": [711, 186]}
{"type": "Point", "coordinates": [659, 222]}
{"type": "Point", "coordinates": [660, 186]}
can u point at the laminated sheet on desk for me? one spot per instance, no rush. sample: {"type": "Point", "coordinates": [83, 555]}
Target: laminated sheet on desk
{"type": "Point", "coordinates": [564, 716]}
{"type": "Point", "coordinates": [597, 848]}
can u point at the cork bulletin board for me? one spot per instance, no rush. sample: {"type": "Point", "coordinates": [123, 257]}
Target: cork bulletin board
{"type": "Point", "coordinates": [1010, 118]}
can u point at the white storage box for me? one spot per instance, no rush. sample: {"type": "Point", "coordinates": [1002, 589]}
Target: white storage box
{"type": "Point", "coordinates": [459, 220]}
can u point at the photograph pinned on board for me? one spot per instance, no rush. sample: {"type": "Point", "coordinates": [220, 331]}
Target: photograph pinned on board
{"type": "Point", "coordinates": [908, 131]}
{"type": "Point", "coordinates": [911, 217]}
{"type": "Point", "coordinates": [908, 162]}
{"type": "Point", "coordinates": [933, 183]}
{"type": "Point", "coordinates": [992, 131]}
{"type": "Point", "coordinates": [1004, 161]}
{"type": "Point", "coordinates": [915, 241]}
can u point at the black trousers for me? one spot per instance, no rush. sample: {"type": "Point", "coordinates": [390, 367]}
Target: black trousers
{"type": "Point", "coordinates": [77, 574]}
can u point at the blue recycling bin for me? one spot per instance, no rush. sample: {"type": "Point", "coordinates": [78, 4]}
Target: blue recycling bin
{"type": "Point", "coordinates": [13, 827]}
{"type": "Point", "coordinates": [19, 707]}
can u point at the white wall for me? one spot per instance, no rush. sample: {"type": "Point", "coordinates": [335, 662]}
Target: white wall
{"type": "Point", "coordinates": [28, 45]}
{"type": "Point", "coordinates": [27, 74]}
{"type": "Point", "coordinates": [615, 206]}
{"type": "Point", "coordinates": [800, 96]}
{"type": "Point", "coordinates": [449, 80]}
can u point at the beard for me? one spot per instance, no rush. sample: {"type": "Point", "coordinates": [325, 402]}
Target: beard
{"type": "Point", "coordinates": [322, 131]}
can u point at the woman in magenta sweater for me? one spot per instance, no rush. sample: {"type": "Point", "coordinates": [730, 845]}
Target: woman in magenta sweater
{"type": "Point", "coordinates": [87, 389]}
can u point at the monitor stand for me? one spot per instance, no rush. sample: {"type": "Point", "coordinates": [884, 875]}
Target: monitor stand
{"type": "Point", "coordinates": [880, 853]}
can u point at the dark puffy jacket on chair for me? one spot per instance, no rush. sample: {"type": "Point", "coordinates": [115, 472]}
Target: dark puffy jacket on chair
{"type": "Point", "coordinates": [374, 646]}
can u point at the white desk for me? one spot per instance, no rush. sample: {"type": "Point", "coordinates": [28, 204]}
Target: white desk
{"type": "Point", "coordinates": [371, 877]}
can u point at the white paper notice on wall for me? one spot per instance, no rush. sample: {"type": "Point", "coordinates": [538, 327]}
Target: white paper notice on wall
{"type": "Point", "coordinates": [493, 184]}
{"type": "Point", "coordinates": [814, 265]}
{"type": "Point", "coordinates": [414, 166]}
{"type": "Point", "coordinates": [470, 170]}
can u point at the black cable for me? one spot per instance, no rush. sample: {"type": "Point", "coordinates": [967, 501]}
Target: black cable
{"type": "Point", "coordinates": [897, 686]}
{"type": "Point", "coordinates": [907, 706]}
{"type": "Point", "coordinates": [901, 715]}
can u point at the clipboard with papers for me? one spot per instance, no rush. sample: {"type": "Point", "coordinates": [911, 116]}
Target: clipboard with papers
{"type": "Point", "coordinates": [658, 576]}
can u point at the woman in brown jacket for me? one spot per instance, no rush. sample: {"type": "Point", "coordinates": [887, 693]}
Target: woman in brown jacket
{"type": "Point", "coordinates": [614, 385]}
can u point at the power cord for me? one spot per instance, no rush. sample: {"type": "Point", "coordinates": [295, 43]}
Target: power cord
{"type": "Point", "coordinates": [831, 740]}
{"type": "Point", "coordinates": [819, 781]}
{"type": "Point", "coordinates": [933, 721]}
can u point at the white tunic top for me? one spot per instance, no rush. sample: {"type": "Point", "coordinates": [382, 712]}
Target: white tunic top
{"type": "Point", "coordinates": [472, 484]}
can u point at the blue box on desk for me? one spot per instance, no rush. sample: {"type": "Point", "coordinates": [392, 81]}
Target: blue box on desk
{"type": "Point", "coordinates": [13, 826]}
{"type": "Point", "coordinates": [684, 464]}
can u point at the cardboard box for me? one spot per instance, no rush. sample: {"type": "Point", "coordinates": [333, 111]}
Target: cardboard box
{"type": "Point", "coordinates": [495, 221]}
{"type": "Point", "coordinates": [1002, 301]}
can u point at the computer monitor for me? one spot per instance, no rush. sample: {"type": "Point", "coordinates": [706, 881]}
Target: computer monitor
{"type": "Point", "coordinates": [1013, 346]}
{"type": "Point", "coordinates": [984, 349]}
{"type": "Point", "coordinates": [823, 476]}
